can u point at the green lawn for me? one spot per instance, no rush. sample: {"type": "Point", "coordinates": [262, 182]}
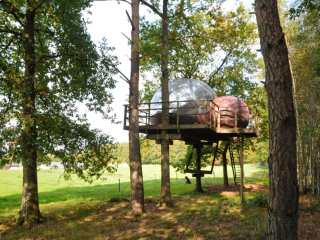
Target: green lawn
{"type": "Point", "coordinates": [75, 210]}
{"type": "Point", "coordinates": [56, 193]}
{"type": "Point", "coordinates": [78, 210]}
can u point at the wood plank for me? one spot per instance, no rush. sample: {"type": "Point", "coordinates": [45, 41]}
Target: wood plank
{"type": "Point", "coordinates": [197, 174]}
{"type": "Point", "coordinates": [159, 142]}
{"type": "Point", "coordinates": [195, 171]}
{"type": "Point", "coordinates": [198, 142]}
{"type": "Point", "coordinates": [164, 136]}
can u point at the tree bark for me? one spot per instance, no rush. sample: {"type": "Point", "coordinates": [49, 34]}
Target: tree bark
{"type": "Point", "coordinates": [283, 201]}
{"type": "Point", "coordinates": [198, 187]}
{"type": "Point", "coordinates": [136, 178]}
{"type": "Point", "coordinates": [224, 162]}
{"type": "Point", "coordinates": [165, 195]}
{"type": "Point", "coordinates": [29, 212]}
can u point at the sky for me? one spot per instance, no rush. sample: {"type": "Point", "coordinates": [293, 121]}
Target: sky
{"type": "Point", "coordinates": [109, 20]}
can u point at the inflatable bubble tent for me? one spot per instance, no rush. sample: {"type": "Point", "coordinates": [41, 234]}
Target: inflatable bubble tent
{"type": "Point", "coordinates": [189, 98]}
{"type": "Point", "coordinates": [183, 90]}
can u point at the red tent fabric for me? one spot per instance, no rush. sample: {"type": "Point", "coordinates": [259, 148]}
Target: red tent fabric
{"type": "Point", "coordinates": [230, 107]}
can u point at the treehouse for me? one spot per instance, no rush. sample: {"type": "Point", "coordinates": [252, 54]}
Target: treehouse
{"type": "Point", "coordinates": [198, 117]}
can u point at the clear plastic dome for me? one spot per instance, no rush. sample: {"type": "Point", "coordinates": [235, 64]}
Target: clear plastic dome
{"type": "Point", "coordinates": [186, 89]}
{"type": "Point", "coordinates": [183, 90]}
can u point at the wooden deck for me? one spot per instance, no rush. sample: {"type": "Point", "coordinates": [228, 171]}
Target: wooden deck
{"type": "Point", "coordinates": [212, 131]}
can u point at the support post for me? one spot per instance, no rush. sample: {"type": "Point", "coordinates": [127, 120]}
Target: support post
{"type": "Point", "coordinates": [214, 156]}
{"type": "Point", "coordinates": [198, 174]}
{"type": "Point", "coordinates": [241, 169]}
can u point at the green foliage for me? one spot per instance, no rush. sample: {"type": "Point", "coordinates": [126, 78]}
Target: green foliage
{"type": "Point", "coordinates": [211, 45]}
{"type": "Point", "coordinates": [303, 40]}
{"type": "Point", "coordinates": [121, 153]}
{"type": "Point", "coordinates": [68, 71]}
{"type": "Point", "coordinates": [259, 200]}
{"type": "Point", "coordinates": [150, 152]}
{"type": "Point", "coordinates": [258, 151]}
{"type": "Point", "coordinates": [207, 153]}
{"type": "Point", "coordinates": [305, 6]}
{"type": "Point", "coordinates": [207, 44]}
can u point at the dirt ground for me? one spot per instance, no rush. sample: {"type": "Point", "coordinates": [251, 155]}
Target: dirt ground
{"type": "Point", "coordinates": [309, 207]}
{"type": "Point", "coordinates": [234, 189]}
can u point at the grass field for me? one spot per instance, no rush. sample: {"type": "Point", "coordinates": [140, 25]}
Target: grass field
{"type": "Point", "coordinates": [78, 210]}
{"type": "Point", "coordinates": [54, 190]}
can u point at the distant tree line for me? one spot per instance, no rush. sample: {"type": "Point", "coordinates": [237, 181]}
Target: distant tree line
{"type": "Point", "coordinates": [179, 152]}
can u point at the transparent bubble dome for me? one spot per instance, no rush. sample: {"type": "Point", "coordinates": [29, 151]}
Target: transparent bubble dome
{"type": "Point", "coordinates": [183, 92]}
{"type": "Point", "coordinates": [186, 89]}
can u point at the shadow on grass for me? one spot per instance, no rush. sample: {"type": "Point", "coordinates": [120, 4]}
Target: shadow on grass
{"type": "Point", "coordinates": [198, 216]}
{"type": "Point", "coordinates": [68, 196]}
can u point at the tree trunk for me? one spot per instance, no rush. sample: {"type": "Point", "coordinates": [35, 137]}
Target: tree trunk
{"type": "Point", "coordinates": [137, 191]}
{"type": "Point", "coordinates": [165, 195]}
{"type": "Point", "coordinates": [29, 212]}
{"type": "Point", "coordinates": [198, 176]}
{"type": "Point", "coordinates": [283, 201]}
{"type": "Point", "coordinates": [224, 162]}
{"type": "Point", "coordinates": [299, 141]}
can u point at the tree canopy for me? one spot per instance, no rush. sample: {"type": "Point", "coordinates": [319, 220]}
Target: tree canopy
{"type": "Point", "coordinates": [205, 43]}
{"type": "Point", "coordinates": [48, 65]}
{"type": "Point", "coordinates": [67, 70]}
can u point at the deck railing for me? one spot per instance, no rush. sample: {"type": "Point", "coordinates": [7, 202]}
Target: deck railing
{"type": "Point", "coordinates": [204, 112]}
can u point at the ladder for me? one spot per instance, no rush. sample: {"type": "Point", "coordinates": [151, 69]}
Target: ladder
{"type": "Point", "coordinates": [235, 159]}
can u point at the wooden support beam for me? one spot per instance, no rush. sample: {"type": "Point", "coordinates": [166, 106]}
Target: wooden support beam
{"type": "Point", "coordinates": [164, 136]}
{"type": "Point", "coordinates": [189, 160]}
{"type": "Point", "coordinates": [241, 168]}
{"type": "Point", "coordinates": [196, 143]}
{"type": "Point", "coordinates": [169, 141]}
{"type": "Point", "coordinates": [197, 172]}
{"type": "Point", "coordinates": [214, 156]}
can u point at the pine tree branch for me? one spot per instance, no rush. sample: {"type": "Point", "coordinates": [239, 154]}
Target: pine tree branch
{"type": "Point", "coordinates": [123, 77]}
{"type": "Point", "coordinates": [130, 20]}
{"type": "Point", "coordinates": [223, 62]}
{"type": "Point", "coordinates": [127, 38]}
{"type": "Point", "coordinates": [153, 8]}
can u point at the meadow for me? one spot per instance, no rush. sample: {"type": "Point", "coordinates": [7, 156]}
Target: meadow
{"type": "Point", "coordinates": [78, 210]}
{"type": "Point", "coordinates": [53, 189]}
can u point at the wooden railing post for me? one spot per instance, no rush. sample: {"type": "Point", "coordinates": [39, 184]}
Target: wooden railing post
{"type": "Point", "coordinates": [149, 114]}
{"type": "Point", "coordinates": [219, 112]}
{"type": "Point", "coordinates": [210, 117]}
{"type": "Point", "coordinates": [236, 117]}
{"type": "Point", "coordinates": [205, 112]}
{"type": "Point", "coordinates": [178, 114]}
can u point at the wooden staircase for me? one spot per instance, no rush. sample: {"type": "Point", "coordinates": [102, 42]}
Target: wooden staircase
{"type": "Point", "coordinates": [234, 147]}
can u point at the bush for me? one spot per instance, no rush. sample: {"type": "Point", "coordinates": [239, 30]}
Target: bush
{"type": "Point", "coordinates": [259, 200]}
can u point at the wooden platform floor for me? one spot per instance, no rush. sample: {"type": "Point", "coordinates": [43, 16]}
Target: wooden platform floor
{"type": "Point", "coordinates": [195, 132]}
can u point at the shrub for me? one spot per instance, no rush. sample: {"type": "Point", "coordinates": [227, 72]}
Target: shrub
{"type": "Point", "coordinates": [259, 200]}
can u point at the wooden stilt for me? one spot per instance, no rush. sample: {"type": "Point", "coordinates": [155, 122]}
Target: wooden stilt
{"type": "Point", "coordinates": [198, 174]}
{"type": "Point", "coordinates": [241, 169]}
